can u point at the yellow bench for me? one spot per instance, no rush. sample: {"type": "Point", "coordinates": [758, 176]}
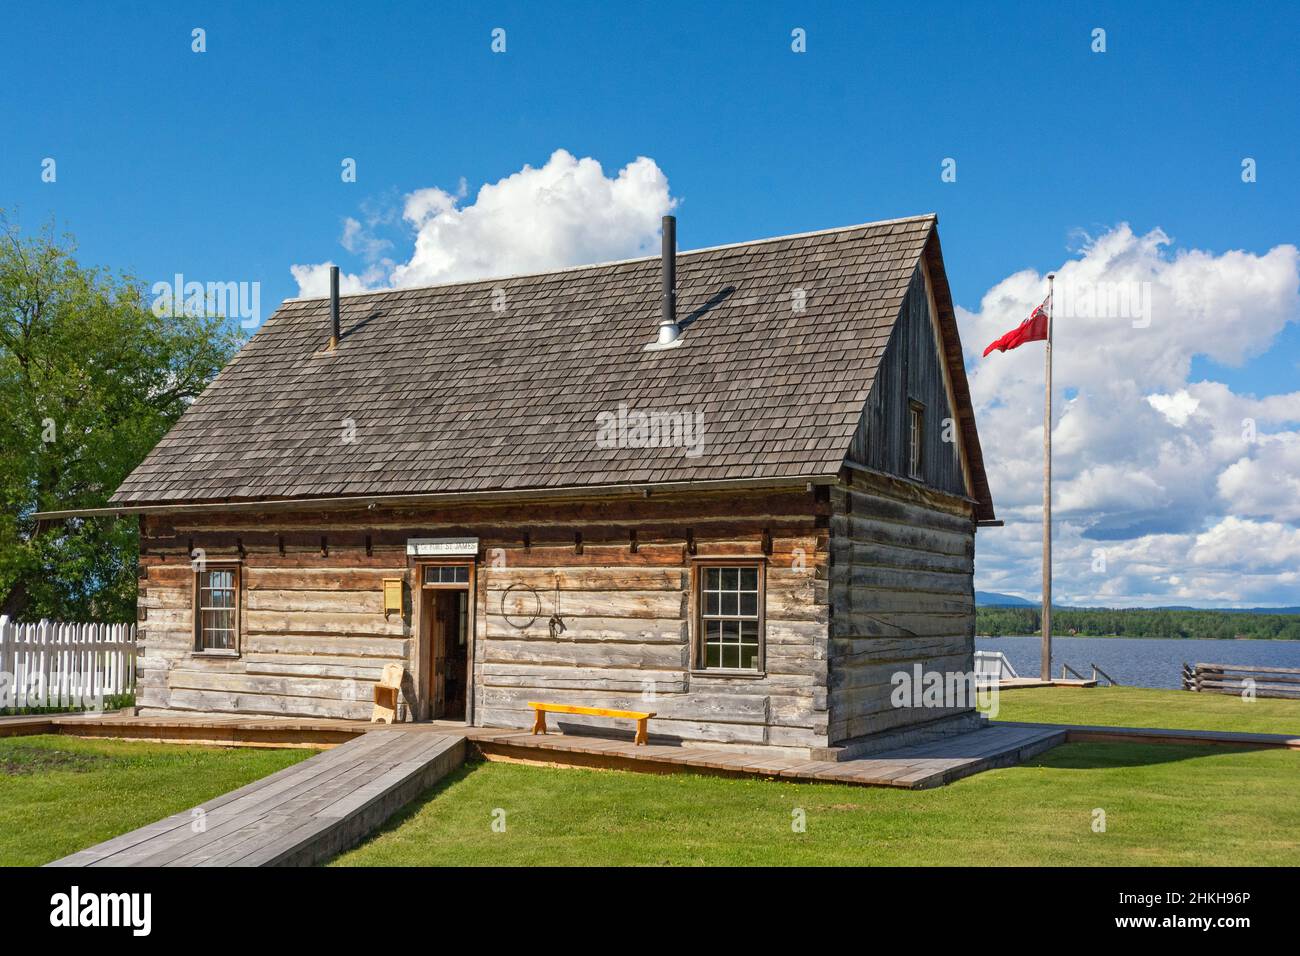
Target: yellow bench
{"type": "Point", "coordinates": [539, 722]}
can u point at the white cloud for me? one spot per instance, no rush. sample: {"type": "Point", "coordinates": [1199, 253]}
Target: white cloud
{"type": "Point", "coordinates": [1178, 408]}
{"type": "Point", "coordinates": [1234, 542]}
{"type": "Point", "coordinates": [1265, 483]}
{"type": "Point", "coordinates": [358, 239]}
{"type": "Point", "coordinates": [314, 280]}
{"type": "Point", "coordinates": [1146, 462]}
{"type": "Point", "coordinates": [566, 212]}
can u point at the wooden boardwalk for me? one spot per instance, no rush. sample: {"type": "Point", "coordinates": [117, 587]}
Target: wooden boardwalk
{"type": "Point", "coordinates": [1100, 733]}
{"type": "Point", "coordinates": [1022, 683]}
{"type": "Point", "coordinates": [914, 767]}
{"type": "Point", "coordinates": [297, 817]}
{"type": "Point", "coordinates": [224, 730]}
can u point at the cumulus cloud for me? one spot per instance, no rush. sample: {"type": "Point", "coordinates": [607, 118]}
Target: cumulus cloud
{"type": "Point", "coordinates": [565, 212]}
{"type": "Point", "coordinates": [314, 280]}
{"type": "Point", "coordinates": [1267, 483]}
{"type": "Point", "coordinates": [1157, 478]}
{"type": "Point", "coordinates": [358, 239]}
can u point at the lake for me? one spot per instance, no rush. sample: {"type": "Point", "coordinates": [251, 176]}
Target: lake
{"type": "Point", "coordinates": [1139, 661]}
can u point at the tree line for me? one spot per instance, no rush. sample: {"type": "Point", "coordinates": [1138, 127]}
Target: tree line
{"type": "Point", "coordinates": [1138, 622]}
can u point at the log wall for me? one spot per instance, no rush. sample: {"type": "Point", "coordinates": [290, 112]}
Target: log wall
{"type": "Point", "coordinates": [314, 637]}
{"type": "Point", "coordinates": [901, 592]}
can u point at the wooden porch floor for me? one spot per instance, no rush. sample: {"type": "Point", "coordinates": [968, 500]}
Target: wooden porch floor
{"type": "Point", "coordinates": [1020, 683]}
{"type": "Point", "coordinates": [226, 730]}
{"type": "Point", "coordinates": [297, 817]}
{"type": "Point", "coordinates": [914, 767]}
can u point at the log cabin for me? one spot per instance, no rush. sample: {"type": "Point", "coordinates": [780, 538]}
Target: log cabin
{"type": "Point", "coordinates": [736, 486]}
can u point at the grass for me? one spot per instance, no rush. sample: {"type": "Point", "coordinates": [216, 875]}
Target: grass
{"type": "Point", "coordinates": [61, 794]}
{"type": "Point", "coordinates": [1169, 805]}
{"type": "Point", "coordinates": [1144, 707]}
{"type": "Point", "coordinates": [1164, 805]}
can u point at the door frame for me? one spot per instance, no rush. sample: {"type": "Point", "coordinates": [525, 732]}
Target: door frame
{"type": "Point", "coordinates": [423, 637]}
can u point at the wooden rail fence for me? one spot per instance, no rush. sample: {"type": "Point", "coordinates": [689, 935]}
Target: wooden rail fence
{"type": "Point", "coordinates": [1243, 679]}
{"type": "Point", "coordinates": [65, 665]}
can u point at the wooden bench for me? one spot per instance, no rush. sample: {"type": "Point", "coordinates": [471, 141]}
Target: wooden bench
{"type": "Point", "coordinates": [539, 722]}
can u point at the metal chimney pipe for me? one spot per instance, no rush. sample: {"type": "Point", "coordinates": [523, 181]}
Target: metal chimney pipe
{"type": "Point", "coordinates": [334, 307]}
{"type": "Point", "coordinates": [668, 327]}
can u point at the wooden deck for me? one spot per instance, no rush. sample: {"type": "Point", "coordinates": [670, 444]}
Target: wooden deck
{"type": "Point", "coordinates": [1079, 733]}
{"type": "Point", "coordinates": [914, 767]}
{"type": "Point", "coordinates": [299, 816]}
{"type": "Point", "coordinates": [1021, 683]}
{"type": "Point", "coordinates": [323, 733]}
{"type": "Point", "coordinates": [223, 730]}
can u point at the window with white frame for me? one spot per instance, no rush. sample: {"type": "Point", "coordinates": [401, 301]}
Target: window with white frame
{"type": "Point", "coordinates": [730, 625]}
{"type": "Point", "coordinates": [216, 608]}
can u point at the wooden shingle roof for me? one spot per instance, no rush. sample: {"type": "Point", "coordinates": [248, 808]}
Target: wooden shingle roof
{"type": "Point", "coordinates": [498, 384]}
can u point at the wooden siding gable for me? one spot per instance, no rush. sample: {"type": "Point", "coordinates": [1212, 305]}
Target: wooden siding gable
{"type": "Point", "coordinates": [914, 369]}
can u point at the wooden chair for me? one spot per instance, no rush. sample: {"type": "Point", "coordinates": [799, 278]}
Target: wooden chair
{"type": "Point", "coordinates": [641, 717]}
{"type": "Point", "coordinates": [386, 691]}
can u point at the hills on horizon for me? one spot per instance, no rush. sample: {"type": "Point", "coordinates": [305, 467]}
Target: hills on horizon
{"type": "Point", "coordinates": [996, 599]}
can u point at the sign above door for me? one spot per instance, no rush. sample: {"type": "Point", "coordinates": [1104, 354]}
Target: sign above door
{"type": "Point", "coordinates": [441, 547]}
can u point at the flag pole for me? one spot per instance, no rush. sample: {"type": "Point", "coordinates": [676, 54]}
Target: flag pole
{"type": "Point", "coordinates": [1047, 492]}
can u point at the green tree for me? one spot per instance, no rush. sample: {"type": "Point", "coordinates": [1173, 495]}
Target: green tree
{"type": "Point", "coordinates": [90, 380]}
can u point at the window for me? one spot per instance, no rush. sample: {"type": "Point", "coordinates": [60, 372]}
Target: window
{"type": "Point", "coordinates": [437, 574]}
{"type": "Point", "coordinates": [730, 625]}
{"type": "Point", "coordinates": [216, 608]}
{"type": "Point", "coordinates": [915, 438]}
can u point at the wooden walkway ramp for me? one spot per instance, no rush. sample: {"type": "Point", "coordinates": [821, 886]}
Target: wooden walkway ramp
{"type": "Point", "coordinates": [299, 816]}
{"type": "Point", "coordinates": [913, 767]}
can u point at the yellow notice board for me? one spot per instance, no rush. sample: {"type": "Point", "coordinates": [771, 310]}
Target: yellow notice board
{"type": "Point", "coordinates": [392, 596]}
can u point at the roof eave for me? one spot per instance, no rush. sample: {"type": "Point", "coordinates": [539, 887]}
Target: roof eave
{"type": "Point", "coordinates": [343, 502]}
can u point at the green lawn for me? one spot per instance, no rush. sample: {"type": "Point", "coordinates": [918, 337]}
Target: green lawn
{"type": "Point", "coordinates": [61, 794]}
{"type": "Point", "coordinates": [1142, 707]}
{"type": "Point", "coordinates": [1164, 804]}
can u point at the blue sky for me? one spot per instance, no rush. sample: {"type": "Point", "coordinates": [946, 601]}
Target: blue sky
{"type": "Point", "coordinates": [225, 165]}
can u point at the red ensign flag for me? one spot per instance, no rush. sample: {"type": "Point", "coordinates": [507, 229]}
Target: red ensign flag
{"type": "Point", "coordinates": [1033, 329]}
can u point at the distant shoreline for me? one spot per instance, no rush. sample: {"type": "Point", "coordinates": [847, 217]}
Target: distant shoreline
{"type": "Point", "coordinates": [1159, 623]}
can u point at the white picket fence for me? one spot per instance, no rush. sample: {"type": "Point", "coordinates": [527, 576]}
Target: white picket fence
{"type": "Point", "coordinates": [53, 664]}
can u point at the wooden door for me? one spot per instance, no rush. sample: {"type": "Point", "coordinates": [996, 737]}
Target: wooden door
{"type": "Point", "coordinates": [439, 631]}
{"type": "Point", "coordinates": [455, 657]}
{"type": "Point", "coordinates": [445, 611]}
